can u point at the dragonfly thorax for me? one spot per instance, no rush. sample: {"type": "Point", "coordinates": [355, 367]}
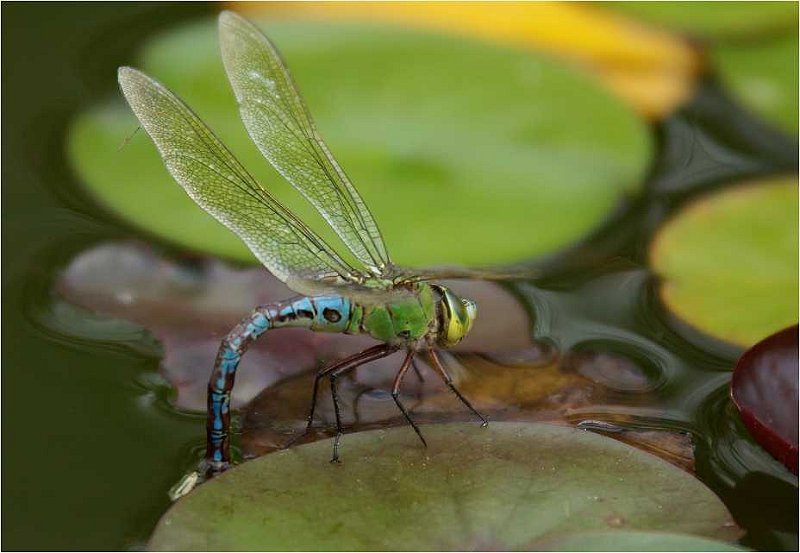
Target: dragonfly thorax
{"type": "Point", "coordinates": [433, 314]}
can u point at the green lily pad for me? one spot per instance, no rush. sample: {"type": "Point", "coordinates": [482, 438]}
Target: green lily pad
{"type": "Point", "coordinates": [763, 76]}
{"type": "Point", "coordinates": [634, 541]}
{"type": "Point", "coordinates": [494, 488]}
{"type": "Point", "coordinates": [717, 20]}
{"type": "Point", "coordinates": [466, 152]}
{"type": "Point", "coordinates": [729, 261]}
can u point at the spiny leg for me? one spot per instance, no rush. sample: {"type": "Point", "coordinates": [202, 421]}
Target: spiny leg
{"type": "Point", "coordinates": [398, 379]}
{"type": "Point", "coordinates": [352, 362]}
{"type": "Point", "coordinates": [395, 393]}
{"type": "Point", "coordinates": [335, 396]}
{"type": "Point", "coordinates": [366, 389]}
{"type": "Point", "coordinates": [449, 381]}
{"type": "Point", "coordinates": [369, 354]}
{"type": "Point", "coordinates": [381, 351]}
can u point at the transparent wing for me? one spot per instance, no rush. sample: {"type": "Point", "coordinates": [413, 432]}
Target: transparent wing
{"type": "Point", "coordinates": [359, 293]}
{"type": "Point", "coordinates": [214, 179]}
{"type": "Point", "coordinates": [405, 275]}
{"type": "Point", "coordinates": [280, 125]}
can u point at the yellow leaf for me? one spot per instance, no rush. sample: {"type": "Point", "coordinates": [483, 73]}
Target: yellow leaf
{"type": "Point", "coordinates": [651, 69]}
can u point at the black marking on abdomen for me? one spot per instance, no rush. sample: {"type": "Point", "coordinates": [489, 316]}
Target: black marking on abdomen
{"type": "Point", "coordinates": [331, 315]}
{"type": "Point", "coordinates": [282, 318]}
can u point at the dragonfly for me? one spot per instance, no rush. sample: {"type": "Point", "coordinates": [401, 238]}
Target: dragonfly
{"type": "Point", "coordinates": [403, 309]}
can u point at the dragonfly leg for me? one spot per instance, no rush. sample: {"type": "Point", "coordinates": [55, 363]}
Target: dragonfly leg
{"type": "Point", "coordinates": [365, 389]}
{"type": "Point", "coordinates": [370, 354]}
{"type": "Point", "coordinates": [398, 379]}
{"type": "Point", "coordinates": [437, 364]}
{"type": "Point", "coordinates": [333, 375]}
{"type": "Point", "coordinates": [348, 363]}
{"type": "Point", "coordinates": [376, 352]}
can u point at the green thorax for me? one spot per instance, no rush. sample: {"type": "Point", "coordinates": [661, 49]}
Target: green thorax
{"type": "Point", "coordinates": [405, 320]}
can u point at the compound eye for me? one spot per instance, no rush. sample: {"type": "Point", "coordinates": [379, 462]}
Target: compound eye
{"type": "Point", "coordinates": [470, 308]}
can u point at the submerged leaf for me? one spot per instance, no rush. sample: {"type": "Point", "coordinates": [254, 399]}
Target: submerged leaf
{"type": "Point", "coordinates": [501, 487]}
{"type": "Point", "coordinates": [550, 392]}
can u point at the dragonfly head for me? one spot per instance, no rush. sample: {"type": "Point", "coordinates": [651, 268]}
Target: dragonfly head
{"type": "Point", "coordinates": [457, 315]}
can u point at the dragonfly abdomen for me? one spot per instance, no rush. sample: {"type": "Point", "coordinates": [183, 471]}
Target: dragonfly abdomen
{"type": "Point", "coordinates": [322, 314]}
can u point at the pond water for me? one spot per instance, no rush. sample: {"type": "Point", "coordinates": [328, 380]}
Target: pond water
{"type": "Point", "coordinates": [93, 437]}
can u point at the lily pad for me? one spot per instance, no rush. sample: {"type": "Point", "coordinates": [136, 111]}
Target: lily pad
{"type": "Point", "coordinates": [634, 541]}
{"type": "Point", "coordinates": [717, 20]}
{"type": "Point", "coordinates": [763, 76]}
{"type": "Point", "coordinates": [764, 389]}
{"type": "Point", "coordinates": [498, 488]}
{"type": "Point", "coordinates": [467, 152]}
{"type": "Point", "coordinates": [729, 261]}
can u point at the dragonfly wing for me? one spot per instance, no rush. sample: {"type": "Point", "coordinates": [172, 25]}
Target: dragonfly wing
{"type": "Point", "coordinates": [279, 123]}
{"type": "Point", "coordinates": [405, 275]}
{"type": "Point", "coordinates": [359, 293]}
{"type": "Point", "coordinates": [214, 179]}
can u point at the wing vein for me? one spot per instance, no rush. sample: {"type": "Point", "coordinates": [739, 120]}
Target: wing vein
{"type": "Point", "coordinates": [215, 179]}
{"type": "Point", "coordinates": [279, 123]}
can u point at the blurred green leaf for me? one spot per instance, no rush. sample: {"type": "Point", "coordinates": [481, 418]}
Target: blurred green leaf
{"type": "Point", "coordinates": [634, 541]}
{"type": "Point", "coordinates": [466, 152]}
{"type": "Point", "coordinates": [496, 488]}
{"type": "Point", "coordinates": [717, 20]}
{"type": "Point", "coordinates": [763, 76]}
{"type": "Point", "coordinates": [729, 261]}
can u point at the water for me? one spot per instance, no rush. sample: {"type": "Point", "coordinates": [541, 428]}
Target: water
{"type": "Point", "coordinates": [93, 439]}
{"type": "Point", "coordinates": [90, 450]}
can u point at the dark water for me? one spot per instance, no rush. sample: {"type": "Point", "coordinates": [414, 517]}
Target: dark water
{"type": "Point", "coordinates": [90, 447]}
{"type": "Point", "coordinates": [92, 442]}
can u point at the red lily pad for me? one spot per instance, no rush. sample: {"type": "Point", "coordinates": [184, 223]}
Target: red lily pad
{"type": "Point", "coordinates": [764, 388]}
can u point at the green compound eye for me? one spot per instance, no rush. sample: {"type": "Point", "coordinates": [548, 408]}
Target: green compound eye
{"type": "Point", "coordinates": [458, 315]}
{"type": "Point", "coordinates": [472, 312]}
